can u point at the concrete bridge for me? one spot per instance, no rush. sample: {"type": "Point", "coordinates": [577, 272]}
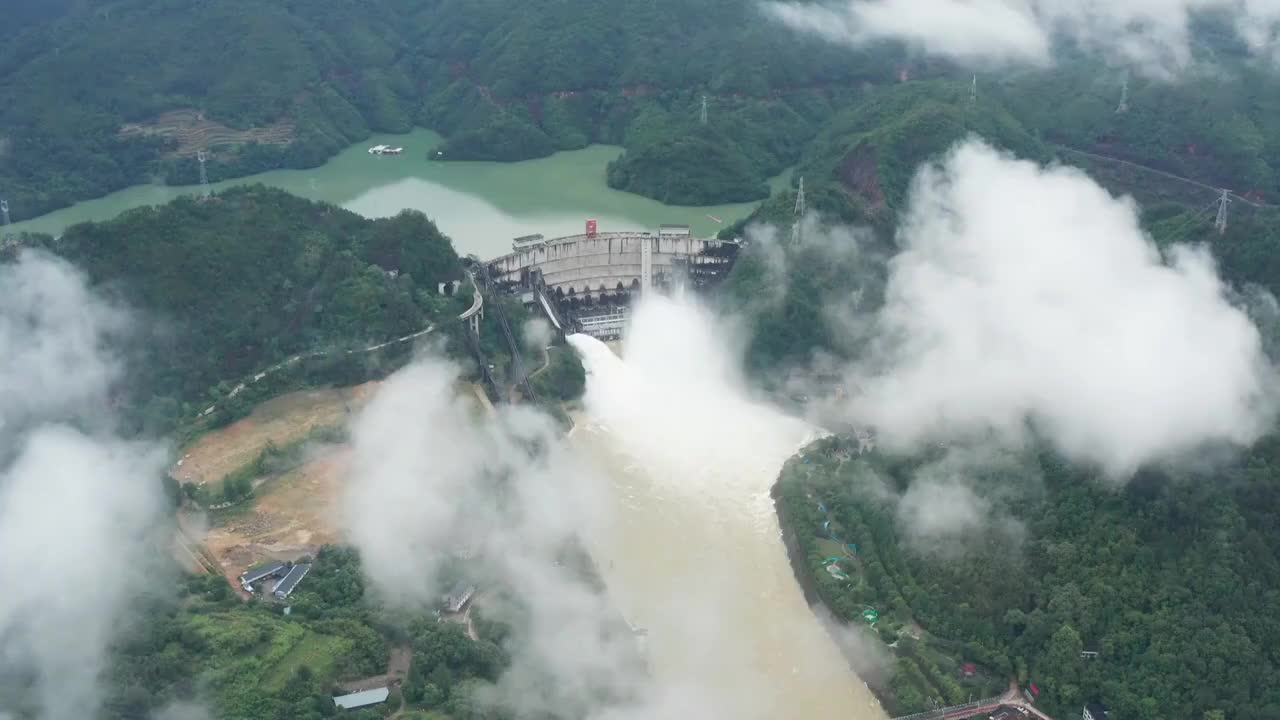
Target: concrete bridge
{"type": "Point", "coordinates": [475, 313]}
{"type": "Point", "coordinates": [598, 262]}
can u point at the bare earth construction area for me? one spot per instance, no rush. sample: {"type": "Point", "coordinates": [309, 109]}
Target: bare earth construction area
{"type": "Point", "coordinates": [291, 512]}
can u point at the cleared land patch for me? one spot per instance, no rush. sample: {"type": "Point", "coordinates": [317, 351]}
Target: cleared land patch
{"type": "Point", "coordinates": [291, 515]}
{"type": "Point", "coordinates": [193, 132]}
{"type": "Point", "coordinates": [293, 512]}
{"type": "Point", "coordinates": [285, 419]}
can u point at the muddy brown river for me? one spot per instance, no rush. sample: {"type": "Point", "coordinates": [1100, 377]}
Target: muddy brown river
{"type": "Point", "coordinates": [691, 547]}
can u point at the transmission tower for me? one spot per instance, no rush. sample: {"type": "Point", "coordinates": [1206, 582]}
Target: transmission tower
{"type": "Point", "coordinates": [973, 92]}
{"type": "Point", "coordinates": [800, 210]}
{"type": "Point", "coordinates": [204, 176]}
{"type": "Point", "coordinates": [704, 110]}
{"type": "Point", "coordinates": [1220, 222]}
{"type": "Point", "coordinates": [4, 212]}
{"type": "Point", "coordinates": [1123, 107]}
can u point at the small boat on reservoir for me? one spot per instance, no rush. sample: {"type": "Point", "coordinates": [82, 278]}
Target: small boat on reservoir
{"type": "Point", "coordinates": [385, 150]}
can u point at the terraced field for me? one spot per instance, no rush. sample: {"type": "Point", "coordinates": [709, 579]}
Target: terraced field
{"type": "Point", "coordinates": [193, 132]}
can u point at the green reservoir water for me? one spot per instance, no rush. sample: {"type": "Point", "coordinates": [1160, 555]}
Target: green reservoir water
{"type": "Point", "coordinates": [481, 205]}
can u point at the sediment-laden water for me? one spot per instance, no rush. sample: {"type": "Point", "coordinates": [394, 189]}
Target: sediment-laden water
{"type": "Point", "coordinates": [691, 548]}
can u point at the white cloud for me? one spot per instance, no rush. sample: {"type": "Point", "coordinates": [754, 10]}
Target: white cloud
{"type": "Point", "coordinates": [183, 711]}
{"type": "Point", "coordinates": [1151, 34]}
{"type": "Point", "coordinates": [52, 337]}
{"type": "Point", "coordinates": [537, 335]}
{"type": "Point", "coordinates": [1029, 297]}
{"type": "Point", "coordinates": [77, 504]}
{"type": "Point", "coordinates": [935, 509]}
{"type": "Point", "coordinates": [434, 476]}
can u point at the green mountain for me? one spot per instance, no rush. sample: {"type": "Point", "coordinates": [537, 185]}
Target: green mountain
{"type": "Point", "coordinates": [102, 96]}
{"type": "Point", "coordinates": [873, 148]}
{"type": "Point", "coordinates": [1171, 580]}
{"type": "Point", "coordinates": [230, 287]}
{"type": "Point", "coordinates": [95, 97]}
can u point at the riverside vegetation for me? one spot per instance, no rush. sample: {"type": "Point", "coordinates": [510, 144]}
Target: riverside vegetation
{"type": "Point", "coordinates": [1172, 580]}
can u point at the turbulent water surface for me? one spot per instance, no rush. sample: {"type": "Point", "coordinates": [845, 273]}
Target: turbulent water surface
{"type": "Point", "coordinates": [691, 548]}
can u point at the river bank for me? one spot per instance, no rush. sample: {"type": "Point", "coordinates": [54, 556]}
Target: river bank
{"type": "Point", "coordinates": [687, 535]}
{"type": "Point", "coordinates": [839, 528]}
{"type": "Point", "coordinates": [874, 674]}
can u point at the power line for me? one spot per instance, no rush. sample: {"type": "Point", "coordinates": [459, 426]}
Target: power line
{"type": "Point", "coordinates": [796, 231]}
{"type": "Point", "coordinates": [1235, 197]}
{"type": "Point", "coordinates": [1220, 222]}
{"type": "Point", "coordinates": [1180, 231]}
{"type": "Point", "coordinates": [205, 192]}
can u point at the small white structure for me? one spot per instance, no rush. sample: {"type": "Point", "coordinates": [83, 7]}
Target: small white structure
{"type": "Point", "coordinates": [385, 150]}
{"type": "Point", "coordinates": [364, 698]}
{"type": "Point", "coordinates": [456, 600]}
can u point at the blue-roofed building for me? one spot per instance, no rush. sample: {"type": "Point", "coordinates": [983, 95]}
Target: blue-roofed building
{"type": "Point", "coordinates": [290, 581]}
{"type": "Point", "coordinates": [364, 698]}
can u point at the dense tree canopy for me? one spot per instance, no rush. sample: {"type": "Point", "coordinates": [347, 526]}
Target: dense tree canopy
{"type": "Point", "coordinates": [1171, 579]}
{"type": "Point", "coordinates": [229, 287]}
{"type": "Point", "coordinates": [509, 80]}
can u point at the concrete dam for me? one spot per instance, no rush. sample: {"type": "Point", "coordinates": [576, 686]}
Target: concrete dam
{"type": "Point", "coordinates": [600, 263]}
{"type": "Point", "coordinates": [586, 283]}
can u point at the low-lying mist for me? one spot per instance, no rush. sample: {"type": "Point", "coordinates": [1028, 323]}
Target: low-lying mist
{"type": "Point", "coordinates": [1154, 36]}
{"type": "Point", "coordinates": [81, 509]}
{"type": "Point", "coordinates": [1025, 307]}
{"type": "Point", "coordinates": [1028, 300]}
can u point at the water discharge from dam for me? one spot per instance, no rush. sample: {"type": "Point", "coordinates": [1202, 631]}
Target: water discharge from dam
{"type": "Point", "coordinates": [691, 549]}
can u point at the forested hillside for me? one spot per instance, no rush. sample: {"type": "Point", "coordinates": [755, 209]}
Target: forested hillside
{"type": "Point", "coordinates": [501, 79]}
{"type": "Point", "coordinates": [1172, 580]}
{"type": "Point", "coordinates": [231, 286]}
{"type": "Point", "coordinates": [857, 171]}
{"type": "Point", "coordinates": [94, 98]}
